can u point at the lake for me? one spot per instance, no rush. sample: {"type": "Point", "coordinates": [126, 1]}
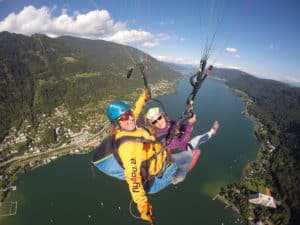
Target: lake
{"type": "Point", "coordinates": [64, 191]}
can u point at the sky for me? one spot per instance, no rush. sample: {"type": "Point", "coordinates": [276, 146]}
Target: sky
{"type": "Point", "coordinates": [261, 37]}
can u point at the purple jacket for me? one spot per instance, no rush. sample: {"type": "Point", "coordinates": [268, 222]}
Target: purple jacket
{"type": "Point", "coordinates": [177, 142]}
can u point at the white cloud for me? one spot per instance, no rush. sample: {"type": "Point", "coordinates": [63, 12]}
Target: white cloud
{"type": "Point", "coordinates": [162, 37]}
{"type": "Point", "coordinates": [279, 77]}
{"type": "Point", "coordinates": [96, 24]}
{"type": "Point", "coordinates": [150, 45]}
{"type": "Point", "coordinates": [129, 36]}
{"type": "Point", "coordinates": [30, 20]}
{"type": "Point", "coordinates": [231, 50]}
{"type": "Point", "coordinates": [292, 78]}
{"type": "Point", "coordinates": [177, 60]}
{"type": "Point", "coordinates": [219, 65]}
{"type": "Point", "coordinates": [234, 67]}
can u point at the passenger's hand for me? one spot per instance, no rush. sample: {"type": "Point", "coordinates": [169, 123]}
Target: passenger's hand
{"type": "Point", "coordinates": [193, 119]}
{"type": "Point", "coordinates": [146, 212]}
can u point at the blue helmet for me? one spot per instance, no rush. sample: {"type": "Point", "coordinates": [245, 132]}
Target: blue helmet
{"type": "Point", "coordinates": [116, 109]}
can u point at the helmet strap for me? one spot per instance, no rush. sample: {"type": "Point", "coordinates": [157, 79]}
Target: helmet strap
{"type": "Point", "coordinates": [115, 124]}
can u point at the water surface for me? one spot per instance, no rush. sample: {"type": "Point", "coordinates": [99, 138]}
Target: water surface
{"type": "Point", "coordinates": [63, 192]}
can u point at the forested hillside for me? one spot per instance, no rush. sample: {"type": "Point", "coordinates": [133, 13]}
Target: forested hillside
{"type": "Point", "coordinates": [277, 108]}
{"type": "Point", "coordinates": [39, 73]}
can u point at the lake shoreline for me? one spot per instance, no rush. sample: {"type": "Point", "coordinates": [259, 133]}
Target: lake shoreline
{"type": "Point", "coordinates": [27, 185]}
{"type": "Point", "coordinates": [247, 173]}
{"type": "Point", "coordinates": [169, 90]}
{"type": "Point", "coordinates": [20, 164]}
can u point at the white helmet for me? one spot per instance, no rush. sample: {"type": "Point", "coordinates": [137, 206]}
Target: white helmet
{"type": "Point", "coordinates": [153, 112]}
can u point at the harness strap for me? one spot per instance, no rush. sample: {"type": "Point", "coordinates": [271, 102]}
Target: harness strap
{"type": "Point", "coordinates": [124, 139]}
{"type": "Point", "coordinates": [148, 179]}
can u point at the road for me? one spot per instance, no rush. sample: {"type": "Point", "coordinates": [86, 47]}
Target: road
{"type": "Point", "coordinates": [92, 142]}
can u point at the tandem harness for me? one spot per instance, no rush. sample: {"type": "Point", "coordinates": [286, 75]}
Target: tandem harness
{"type": "Point", "coordinates": [110, 145]}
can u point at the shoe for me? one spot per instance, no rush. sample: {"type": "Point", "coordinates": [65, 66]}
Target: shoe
{"type": "Point", "coordinates": [176, 180]}
{"type": "Point", "coordinates": [215, 128]}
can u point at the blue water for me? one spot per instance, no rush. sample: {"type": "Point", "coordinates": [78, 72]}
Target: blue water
{"type": "Point", "coordinates": [64, 192]}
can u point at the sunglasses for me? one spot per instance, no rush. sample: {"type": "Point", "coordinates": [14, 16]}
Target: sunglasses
{"type": "Point", "coordinates": [125, 116]}
{"type": "Point", "coordinates": [155, 121]}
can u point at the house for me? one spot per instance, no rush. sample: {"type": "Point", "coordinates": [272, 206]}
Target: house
{"type": "Point", "coordinates": [263, 199]}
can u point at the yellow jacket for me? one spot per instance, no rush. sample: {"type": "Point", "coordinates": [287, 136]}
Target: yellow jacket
{"type": "Point", "coordinates": [134, 154]}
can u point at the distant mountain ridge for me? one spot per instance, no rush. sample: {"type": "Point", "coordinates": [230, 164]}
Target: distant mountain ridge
{"type": "Point", "coordinates": [292, 83]}
{"type": "Point", "coordinates": [184, 69]}
{"type": "Point", "coordinates": [39, 73]}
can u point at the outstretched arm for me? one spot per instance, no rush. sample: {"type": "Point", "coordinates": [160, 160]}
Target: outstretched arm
{"type": "Point", "coordinates": [127, 152]}
{"type": "Point", "coordinates": [138, 106]}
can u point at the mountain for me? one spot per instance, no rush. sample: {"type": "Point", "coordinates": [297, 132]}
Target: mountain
{"type": "Point", "coordinates": [184, 69]}
{"type": "Point", "coordinates": [39, 73]}
{"type": "Point", "coordinates": [292, 83]}
{"type": "Point", "coordinates": [276, 103]}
